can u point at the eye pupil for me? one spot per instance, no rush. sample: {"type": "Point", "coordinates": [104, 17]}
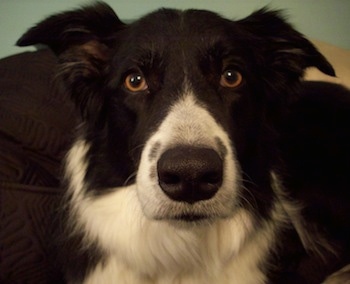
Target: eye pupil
{"type": "Point", "coordinates": [135, 82]}
{"type": "Point", "coordinates": [230, 76]}
{"type": "Point", "coordinates": [230, 79]}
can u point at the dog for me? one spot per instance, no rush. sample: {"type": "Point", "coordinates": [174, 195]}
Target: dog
{"type": "Point", "coordinates": [190, 162]}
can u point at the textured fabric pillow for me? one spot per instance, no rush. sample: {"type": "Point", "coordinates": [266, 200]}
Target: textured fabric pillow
{"type": "Point", "coordinates": [35, 123]}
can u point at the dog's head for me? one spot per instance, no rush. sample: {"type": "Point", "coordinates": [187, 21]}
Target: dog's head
{"type": "Point", "coordinates": [180, 102]}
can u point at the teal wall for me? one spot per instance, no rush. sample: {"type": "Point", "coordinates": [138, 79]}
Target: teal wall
{"type": "Point", "coordinates": [327, 20]}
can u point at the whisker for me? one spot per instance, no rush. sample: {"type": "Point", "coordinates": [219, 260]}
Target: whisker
{"type": "Point", "coordinates": [131, 151]}
{"type": "Point", "coordinates": [129, 178]}
{"type": "Point", "coordinates": [252, 203]}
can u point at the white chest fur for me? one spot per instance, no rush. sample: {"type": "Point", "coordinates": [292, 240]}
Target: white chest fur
{"type": "Point", "coordinates": [141, 251]}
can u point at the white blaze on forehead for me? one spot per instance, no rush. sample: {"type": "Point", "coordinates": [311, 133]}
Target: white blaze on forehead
{"type": "Point", "coordinates": [189, 123]}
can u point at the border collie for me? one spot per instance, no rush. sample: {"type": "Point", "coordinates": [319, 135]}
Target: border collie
{"type": "Point", "coordinates": [176, 174]}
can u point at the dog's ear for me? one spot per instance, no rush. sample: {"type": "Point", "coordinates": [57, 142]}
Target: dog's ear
{"type": "Point", "coordinates": [83, 39]}
{"type": "Point", "coordinates": [283, 52]}
{"type": "Point", "coordinates": [281, 55]}
{"type": "Point", "coordinates": [92, 23]}
{"type": "Point", "coordinates": [283, 43]}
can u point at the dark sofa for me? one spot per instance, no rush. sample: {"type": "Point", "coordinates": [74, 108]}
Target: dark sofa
{"type": "Point", "coordinates": [36, 122]}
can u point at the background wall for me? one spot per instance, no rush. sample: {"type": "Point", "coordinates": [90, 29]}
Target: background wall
{"type": "Point", "coordinates": [326, 20]}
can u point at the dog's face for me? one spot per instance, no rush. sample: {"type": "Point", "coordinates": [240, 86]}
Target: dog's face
{"type": "Point", "coordinates": [181, 87]}
{"type": "Point", "coordinates": [179, 103]}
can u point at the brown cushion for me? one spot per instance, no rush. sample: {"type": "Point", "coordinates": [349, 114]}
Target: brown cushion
{"type": "Point", "coordinates": [35, 125]}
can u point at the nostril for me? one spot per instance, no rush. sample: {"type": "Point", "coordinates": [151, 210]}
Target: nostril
{"type": "Point", "coordinates": [212, 178]}
{"type": "Point", "coordinates": [169, 178]}
{"type": "Point", "coordinates": [190, 174]}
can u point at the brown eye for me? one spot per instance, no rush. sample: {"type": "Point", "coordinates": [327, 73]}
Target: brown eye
{"type": "Point", "coordinates": [135, 82]}
{"type": "Point", "coordinates": [230, 79]}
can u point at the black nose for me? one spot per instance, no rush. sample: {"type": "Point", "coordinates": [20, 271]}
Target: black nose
{"type": "Point", "coordinates": [190, 174]}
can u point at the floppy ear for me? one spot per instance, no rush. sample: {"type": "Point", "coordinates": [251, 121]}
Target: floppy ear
{"type": "Point", "coordinates": [83, 40]}
{"type": "Point", "coordinates": [283, 52]}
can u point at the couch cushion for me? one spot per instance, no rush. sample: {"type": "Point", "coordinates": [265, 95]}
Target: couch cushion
{"type": "Point", "coordinates": [35, 125]}
{"type": "Point", "coordinates": [35, 120]}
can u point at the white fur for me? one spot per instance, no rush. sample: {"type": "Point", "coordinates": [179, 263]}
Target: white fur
{"type": "Point", "coordinates": [339, 277]}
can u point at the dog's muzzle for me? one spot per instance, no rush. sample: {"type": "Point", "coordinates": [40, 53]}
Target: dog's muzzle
{"type": "Point", "coordinates": [188, 169]}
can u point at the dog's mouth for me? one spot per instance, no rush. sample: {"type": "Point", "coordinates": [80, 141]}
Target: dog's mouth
{"type": "Point", "coordinates": [189, 218]}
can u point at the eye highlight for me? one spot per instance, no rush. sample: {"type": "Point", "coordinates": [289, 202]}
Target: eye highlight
{"type": "Point", "coordinates": [135, 82]}
{"type": "Point", "coordinates": [231, 78]}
